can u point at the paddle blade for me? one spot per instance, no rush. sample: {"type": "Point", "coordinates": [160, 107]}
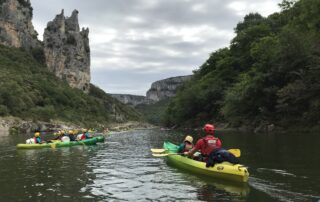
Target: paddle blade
{"type": "Point", "coordinates": [159, 155]}
{"type": "Point", "coordinates": [158, 150]}
{"type": "Point", "coordinates": [235, 152]}
{"type": "Point", "coordinates": [168, 154]}
{"type": "Point", "coordinates": [53, 145]}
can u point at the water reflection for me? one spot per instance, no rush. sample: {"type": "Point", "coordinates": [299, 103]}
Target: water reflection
{"type": "Point", "coordinates": [123, 169]}
{"type": "Point", "coordinates": [44, 175]}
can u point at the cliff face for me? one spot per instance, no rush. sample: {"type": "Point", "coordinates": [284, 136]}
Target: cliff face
{"type": "Point", "coordinates": [16, 28]}
{"type": "Point", "coordinates": [132, 100]}
{"type": "Point", "coordinates": [166, 88]}
{"type": "Point", "coordinates": [67, 50]}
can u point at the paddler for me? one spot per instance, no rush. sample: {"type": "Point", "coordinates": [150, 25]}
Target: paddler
{"type": "Point", "coordinates": [206, 145]}
{"type": "Point", "coordinates": [58, 135]}
{"type": "Point", "coordinates": [71, 135]}
{"type": "Point", "coordinates": [187, 144]}
{"type": "Point", "coordinates": [211, 149]}
{"type": "Point", "coordinates": [37, 138]}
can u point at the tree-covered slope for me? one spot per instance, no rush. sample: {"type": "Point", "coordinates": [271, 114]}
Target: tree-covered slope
{"type": "Point", "coordinates": [153, 113]}
{"type": "Point", "coordinates": [268, 75]}
{"type": "Point", "coordinates": [29, 91]}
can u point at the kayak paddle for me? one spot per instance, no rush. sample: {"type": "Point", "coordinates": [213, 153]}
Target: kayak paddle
{"type": "Point", "coordinates": [157, 150]}
{"type": "Point", "coordinates": [235, 152]}
{"type": "Point", "coordinates": [168, 154]}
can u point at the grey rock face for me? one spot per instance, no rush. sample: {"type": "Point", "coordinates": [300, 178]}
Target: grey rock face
{"type": "Point", "coordinates": [166, 88]}
{"type": "Point", "coordinates": [132, 100]}
{"type": "Point", "coordinates": [67, 50]}
{"type": "Point", "coordinates": [16, 28]}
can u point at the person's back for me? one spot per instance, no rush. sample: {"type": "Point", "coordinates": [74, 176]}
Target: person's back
{"type": "Point", "coordinates": [207, 144]}
{"type": "Point", "coordinates": [187, 145]}
{"type": "Point", "coordinates": [71, 135]}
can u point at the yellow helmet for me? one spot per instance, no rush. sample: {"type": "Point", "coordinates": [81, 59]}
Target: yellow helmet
{"type": "Point", "coordinates": [70, 132]}
{"type": "Point", "coordinates": [84, 130]}
{"type": "Point", "coordinates": [37, 134]}
{"type": "Point", "coordinates": [189, 139]}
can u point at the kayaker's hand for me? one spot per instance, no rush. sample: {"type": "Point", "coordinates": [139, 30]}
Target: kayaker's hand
{"type": "Point", "coordinates": [186, 153]}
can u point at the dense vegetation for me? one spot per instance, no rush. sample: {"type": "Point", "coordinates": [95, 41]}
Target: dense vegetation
{"type": "Point", "coordinates": [270, 74]}
{"type": "Point", "coordinates": [29, 91]}
{"type": "Point", "coordinates": [153, 113]}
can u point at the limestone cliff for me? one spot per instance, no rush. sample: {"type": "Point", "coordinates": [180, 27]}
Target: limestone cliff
{"type": "Point", "coordinates": [16, 28]}
{"type": "Point", "coordinates": [132, 100]}
{"type": "Point", "coordinates": [166, 88]}
{"type": "Point", "coordinates": [67, 50]}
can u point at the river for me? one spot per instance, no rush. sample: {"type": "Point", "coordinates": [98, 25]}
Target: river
{"type": "Point", "coordinates": [283, 167]}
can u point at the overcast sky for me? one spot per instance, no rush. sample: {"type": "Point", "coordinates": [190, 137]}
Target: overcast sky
{"type": "Point", "coordinates": [136, 42]}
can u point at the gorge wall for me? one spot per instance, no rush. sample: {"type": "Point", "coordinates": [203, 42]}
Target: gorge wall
{"type": "Point", "coordinates": [67, 50]}
{"type": "Point", "coordinates": [16, 28]}
{"type": "Point", "coordinates": [160, 90]}
{"type": "Point", "coordinates": [166, 88]}
{"type": "Point", "coordinates": [132, 100]}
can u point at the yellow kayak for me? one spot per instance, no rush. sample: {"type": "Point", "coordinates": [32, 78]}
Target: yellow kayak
{"type": "Point", "coordinates": [225, 170]}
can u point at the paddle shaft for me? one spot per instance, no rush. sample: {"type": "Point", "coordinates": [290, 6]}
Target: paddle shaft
{"type": "Point", "coordinates": [235, 152]}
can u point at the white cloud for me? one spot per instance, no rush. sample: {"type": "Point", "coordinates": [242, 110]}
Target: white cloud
{"type": "Point", "coordinates": [136, 42]}
{"type": "Point", "coordinates": [242, 7]}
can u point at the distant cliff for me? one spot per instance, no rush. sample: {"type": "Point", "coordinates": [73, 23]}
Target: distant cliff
{"type": "Point", "coordinates": [166, 88]}
{"type": "Point", "coordinates": [16, 28]}
{"type": "Point", "coordinates": [132, 100]}
{"type": "Point", "coordinates": [160, 90]}
{"type": "Point", "coordinates": [67, 50]}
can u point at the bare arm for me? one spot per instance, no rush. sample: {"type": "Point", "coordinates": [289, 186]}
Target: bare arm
{"type": "Point", "coordinates": [191, 152]}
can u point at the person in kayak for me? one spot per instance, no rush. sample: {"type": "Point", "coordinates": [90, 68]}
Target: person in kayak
{"type": "Point", "coordinates": [58, 135]}
{"type": "Point", "coordinates": [85, 135]}
{"type": "Point", "coordinates": [187, 145]}
{"type": "Point", "coordinates": [211, 149]}
{"type": "Point", "coordinates": [37, 138]}
{"type": "Point", "coordinates": [205, 145]}
{"type": "Point", "coordinates": [71, 135]}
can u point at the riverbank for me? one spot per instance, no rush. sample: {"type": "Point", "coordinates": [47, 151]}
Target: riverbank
{"type": "Point", "coordinates": [131, 125]}
{"type": "Point", "coordinates": [12, 125]}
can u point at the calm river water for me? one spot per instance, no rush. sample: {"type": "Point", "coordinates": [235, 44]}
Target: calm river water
{"type": "Point", "coordinates": [282, 168]}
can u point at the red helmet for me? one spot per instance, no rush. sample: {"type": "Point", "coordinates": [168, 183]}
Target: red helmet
{"type": "Point", "coordinates": [208, 128]}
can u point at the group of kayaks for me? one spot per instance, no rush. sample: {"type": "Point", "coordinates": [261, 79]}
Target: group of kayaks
{"type": "Point", "coordinates": [58, 144]}
{"type": "Point", "coordinates": [224, 170]}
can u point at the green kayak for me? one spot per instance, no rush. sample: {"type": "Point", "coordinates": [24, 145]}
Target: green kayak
{"type": "Point", "coordinates": [91, 141]}
{"type": "Point", "coordinates": [223, 170]}
{"type": "Point", "coordinates": [99, 138]}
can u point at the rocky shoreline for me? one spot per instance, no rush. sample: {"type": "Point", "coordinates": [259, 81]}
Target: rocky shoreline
{"type": "Point", "coordinates": [12, 125]}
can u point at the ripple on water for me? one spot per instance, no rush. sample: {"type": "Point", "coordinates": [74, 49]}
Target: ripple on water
{"type": "Point", "coordinates": [133, 174]}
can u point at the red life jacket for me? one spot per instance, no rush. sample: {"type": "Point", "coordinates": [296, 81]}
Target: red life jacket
{"type": "Point", "coordinates": [210, 144]}
{"type": "Point", "coordinates": [83, 137]}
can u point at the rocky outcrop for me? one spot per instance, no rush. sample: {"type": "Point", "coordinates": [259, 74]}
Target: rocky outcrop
{"type": "Point", "coordinates": [17, 125]}
{"type": "Point", "coordinates": [159, 90]}
{"type": "Point", "coordinates": [166, 88]}
{"type": "Point", "coordinates": [132, 100]}
{"type": "Point", "coordinates": [67, 50]}
{"type": "Point", "coordinates": [16, 28]}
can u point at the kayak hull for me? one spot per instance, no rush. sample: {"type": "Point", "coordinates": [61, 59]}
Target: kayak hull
{"type": "Point", "coordinates": [100, 138]}
{"type": "Point", "coordinates": [225, 170]}
{"type": "Point", "coordinates": [91, 141]}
